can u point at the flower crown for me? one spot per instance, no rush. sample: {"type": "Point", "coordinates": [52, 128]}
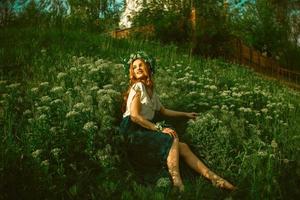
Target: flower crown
{"type": "Point", "coordinates": [140, 55]}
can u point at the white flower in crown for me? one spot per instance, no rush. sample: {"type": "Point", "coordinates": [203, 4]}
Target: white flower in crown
{"type": "Point", "coordinates": [139, 54]}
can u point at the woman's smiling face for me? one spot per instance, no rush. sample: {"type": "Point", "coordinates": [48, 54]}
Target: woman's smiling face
{"type": "Point", "coordinates": [139, 69]}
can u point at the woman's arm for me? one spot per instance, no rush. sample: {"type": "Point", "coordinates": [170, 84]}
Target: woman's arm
{"type": "Point", "coordinates": [173, 113]}
{"type": "Point", "coordinates": [135, 109]}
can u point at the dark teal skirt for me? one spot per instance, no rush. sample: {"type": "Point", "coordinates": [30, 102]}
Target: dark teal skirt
{"type": "Point", "coordinates": [147, 150]}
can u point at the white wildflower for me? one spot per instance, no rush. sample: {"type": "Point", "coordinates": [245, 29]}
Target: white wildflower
{"type": "Point", "coordinates": [237, 94]}
{"type": "Point", "coordinates": [234, 88]}
{"type": "Point", "coordinates": [90, 126]}
{"type": "Point", "coordinates": [192, 93]}
{"type": "Point", "coordinates": [79, 106]}
{"type": "Point", "coordinates": [30, 120]}
{"type": "Point", "coordinates": [73, 69]}
{"type": "Point", "coordinates": [291, 106]}
{"type": "Point", "coordinates": [108, 86]}
{"type": "Point", "coordinates": [163, 182]}
{"type": "Point", "coordinates": [181, 79]}
{"type": "Point", "coordinates": [274, 144]}
{"type": "Point", "coordinates": [43, 109]}
{"type": "Point", "coordinates": [27, 112]}
{"type": "Point", "coordinates": [269, 117]}
{"type": "Point", "coordinates": [224, 107]}
{"type": "Point", "coordinates": [42, 117]}
{"type": "Point", "coordinates": [72, 114]}
{"type": "Point", "coordinates": [213, 87]}
{"type": "Point", "coordinates": [192, 82]}
{"type": "Point", "coordinates": [81, 59]}
{"type": "Point", "coordinates": [3, 82]}
{"type": "Point", "coordinates": [84, 81]}
{"type": "Point", "coordinates": [94, 88]}
{"type": "Point", "coordinates": [56, 101]}
{"type": "Point", "coordinates": [105, 65]}
{"type": "Point", "coordinates": [99, 62]}
{"type": "Point", "coordinates": [53, 129]}
{"type": "Point", "coordinates": [101, 92]}
{"type": "Point", "coordinates": [34, 90]}
{"type": "Point", "coordinates": [94, 71]}
{"type": "Point", "coordinates": [225, 93]}
{"type": "Point", "coordinates": [57, 89]}
{"type": "Point", "coordinates": [61, 75]}
{"type": "Point", "coordinates": [13, 86]}
{"type": "Point", "coordinates": [187, 68]}
{"type": "Point", "coordinates": [264, 110]}
{"type": "Point", "coordinates": [55, 152]}
{"type": "Point", "coordinates": [44, 84]}
{"type": "Point", "coordinates": [164, 95]}
{"type": "Point", "coordinates": [45, 163]}
{"type": "Point", "coordinates": [2, 102]}
{"type": "Point", "coordinates": [242, 109]}
{"type": "Point", "coordinates": [248, 110]}
{"type": "Point", "coordinates": [77, 88]}
{"type": "Point", "coordinates": [36, 153]}
{"type": "Point", "coordinates": [215, 107]}
{"type": "Point", "coordinates": [45, 99]}
{"type": "Point", "coordinates": [112, 92]}
{"type": "Point", "coordinates": [262, 153]}
{"type": "Point", "coordinates": [86, 110]}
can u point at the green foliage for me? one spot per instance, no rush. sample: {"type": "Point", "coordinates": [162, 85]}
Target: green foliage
{"type": "Point", "coordinates": [269, 26]}
{"type": "Point", "coordinates": [212, 29]}
{"type": "Point", "coordinates": [169, 19]}
{"type": "Point", "coordinates": [60, 134]}
{"type": "Point", "coordinates": [87, 15]}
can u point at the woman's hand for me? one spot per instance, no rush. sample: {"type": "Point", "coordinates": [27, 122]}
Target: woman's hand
{"type": "Point", "coordinates": [170, 131]}
{"type": "Point", "coordinates": [191, 115]}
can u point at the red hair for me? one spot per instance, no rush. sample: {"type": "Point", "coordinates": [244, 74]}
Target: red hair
{"type": "Point", "coordinates": [148, 82]}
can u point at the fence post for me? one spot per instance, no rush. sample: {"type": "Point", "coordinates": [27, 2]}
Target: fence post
{"type": "Point", "coordinates": [239, 44]}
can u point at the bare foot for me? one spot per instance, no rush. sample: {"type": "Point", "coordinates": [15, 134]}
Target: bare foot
{"type": "Point", "coordinates": [180, 187]}
{"type": "Point", "coordinates": [220, 182]}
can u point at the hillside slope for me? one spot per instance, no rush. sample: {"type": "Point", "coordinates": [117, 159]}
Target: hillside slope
{"type": "Point", "coordinates": [60, 110]}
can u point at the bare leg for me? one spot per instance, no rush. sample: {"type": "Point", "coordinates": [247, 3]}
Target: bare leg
{"type": "Point", "coordinates": [196, 164]}
{"type": "Point", "coordinates": [173, 165]}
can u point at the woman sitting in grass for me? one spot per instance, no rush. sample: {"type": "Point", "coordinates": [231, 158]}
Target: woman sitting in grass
{"type": "Point", "coordinates": [150, 146]}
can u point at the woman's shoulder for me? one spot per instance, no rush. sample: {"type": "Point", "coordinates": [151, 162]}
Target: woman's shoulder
{"type": "Point", "coordinates": [138, 86]}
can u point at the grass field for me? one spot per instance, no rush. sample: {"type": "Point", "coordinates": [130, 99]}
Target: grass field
{"type": "Point", "coordinates": [60, 100]}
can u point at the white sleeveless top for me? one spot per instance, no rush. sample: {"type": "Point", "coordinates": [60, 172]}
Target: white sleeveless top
{"type": "Point", "coordinates": [148, 105]}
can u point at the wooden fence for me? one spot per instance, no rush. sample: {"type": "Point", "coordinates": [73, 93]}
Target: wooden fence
{"type": "Point", "coordinates": [124, 33]}
{"type": "Point", "coordinates": [265, 65]}
{"type": "Point", "coordinates": [242, 54]}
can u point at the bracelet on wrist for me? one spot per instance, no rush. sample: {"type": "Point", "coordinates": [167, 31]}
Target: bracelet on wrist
{"type": "Point", "coordinates": [159, 126]}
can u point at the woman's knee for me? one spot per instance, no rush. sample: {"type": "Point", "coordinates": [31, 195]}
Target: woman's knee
{"type": "Point", "coordinates": [183, 148]}
{"type": "Point", "coordinates": [176, 140]}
